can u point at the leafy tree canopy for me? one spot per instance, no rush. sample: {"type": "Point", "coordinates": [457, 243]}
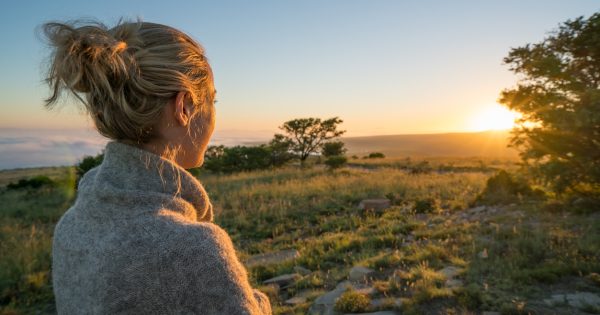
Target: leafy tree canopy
{"type": "Point", "coordinates": [558, 95]}
{"type": "Point", "coordinates": [307, 135]}
{"type": "Point", "coordinates": [333, 148]}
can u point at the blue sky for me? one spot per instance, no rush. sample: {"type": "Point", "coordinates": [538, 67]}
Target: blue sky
{"type": "Point", "coordinates": [384, 67]}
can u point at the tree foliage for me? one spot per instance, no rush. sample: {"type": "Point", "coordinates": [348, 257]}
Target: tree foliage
{"type": "Point", "coordinates": [558, 96]}
{"type": "Point", "coordinates": [334, 152]}
{"type": "Point", "coordinates": [87, 163]}
{"type": "Point", "coordinates": [221, 159]}
{"type": "Point", "coordinates": [307, 135]}
{"type": "Point", "coordinates": [280, 148]}
{"type": "Point", "coordinates": [236, 159]}
{"type": "Point", "coordinates": [333, 148]}
{"type": "Point", "coordinates": [33, 182]}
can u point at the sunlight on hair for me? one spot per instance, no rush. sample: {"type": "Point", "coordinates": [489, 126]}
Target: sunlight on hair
{"type": "Point", "coordinates": [493, 117]}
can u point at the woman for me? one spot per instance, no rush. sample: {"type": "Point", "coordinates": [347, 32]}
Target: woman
{"type": "Point", "coordinates": [140, 238]}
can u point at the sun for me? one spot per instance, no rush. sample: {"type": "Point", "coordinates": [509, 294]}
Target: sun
{"type": "Point", "coordinates": [493, 117]}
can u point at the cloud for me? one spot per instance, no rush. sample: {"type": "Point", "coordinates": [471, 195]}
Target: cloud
{"type": "Point", "coordinates": [21, 148]}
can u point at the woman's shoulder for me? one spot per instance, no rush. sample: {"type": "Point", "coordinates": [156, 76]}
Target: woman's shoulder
{"type": "Point", "coordinates": [87, 177]}
{"type": "Point", "coordinates": [202, 246]}
{"type": "Point", "coordinates": [202, 234]}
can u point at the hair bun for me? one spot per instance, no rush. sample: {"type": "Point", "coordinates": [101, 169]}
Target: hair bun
{"type": "Point", "coordinates": [86, 56]}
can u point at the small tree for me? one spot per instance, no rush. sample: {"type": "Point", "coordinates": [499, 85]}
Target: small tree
{"type": "Point", "coordinates": [333, 148]}
{"type": "Point", "coordinates": [281, 150]}
{"type": "Point", "coordinates": [307, 135]}
{"type": "Point", "coordinates": [334, 152]}
{"type": "Point", "coordinates": [559, 99]}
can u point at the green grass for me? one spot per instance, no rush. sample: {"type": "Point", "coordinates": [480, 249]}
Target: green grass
{"type": "Point", "coordinates": [315, 211]}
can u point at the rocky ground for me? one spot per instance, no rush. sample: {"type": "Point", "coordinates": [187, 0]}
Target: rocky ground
{"type": "Point", "coordinates": [366, 291]}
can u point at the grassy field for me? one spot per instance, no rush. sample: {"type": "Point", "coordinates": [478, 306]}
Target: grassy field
{"type": "Point", "coordinates": [509, 258]}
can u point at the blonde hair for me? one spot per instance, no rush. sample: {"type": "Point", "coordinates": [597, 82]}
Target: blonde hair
{"type": "Point", "coordinates": [127, 74]}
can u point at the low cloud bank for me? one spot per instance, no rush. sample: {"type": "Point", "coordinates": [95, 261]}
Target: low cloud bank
{"type": "Point", "coordinates": [21, 148]}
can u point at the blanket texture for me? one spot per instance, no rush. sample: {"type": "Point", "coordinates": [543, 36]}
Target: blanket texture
{"type": "Point", "coordinates": [140, 239]}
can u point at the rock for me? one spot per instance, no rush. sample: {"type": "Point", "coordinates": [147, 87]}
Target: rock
{"type": "Point", "coordinates": [490, 313]}
{"type": "Point", "coordinates": [477, 210]}
{"type": "Point", "coordinates": [301, 270]}
{"type": "Point", "coordinates": [376, 313]}
{"type": "Point", "coordinates": [359, 273]}
{"type": "Point", "coordinates": [283, 280]}
{"type": "Point", "coordinates": [324, 304]}
{"type": "Point", "coordinates": [454, 283]}
{"type": "Point", "coordinates": [296, 300]}
{"type": "Point", "coordinates": [579, 300]}
{"type": "Point", "coordinates": [450, 271]}
{"type": "Point", "coordinates": [375, 204]}
{"type": "Point", "coordinates": [272, 258]}
{"type": "Point", "coordinates": [386, 302]}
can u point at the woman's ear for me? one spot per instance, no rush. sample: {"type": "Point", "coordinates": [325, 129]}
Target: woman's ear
{"type": "Point", "coordinates": [182, 111]}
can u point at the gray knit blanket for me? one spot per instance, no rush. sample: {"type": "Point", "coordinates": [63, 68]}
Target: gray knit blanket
{"type": "Point", "coordinates": [140, 239]}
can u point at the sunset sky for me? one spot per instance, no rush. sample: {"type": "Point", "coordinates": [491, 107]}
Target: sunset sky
{"type": "Point", "coordinates": [384, 67]}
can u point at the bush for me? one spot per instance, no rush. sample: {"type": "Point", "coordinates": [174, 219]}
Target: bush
{"type": "Point", "coordinates": [333, 148]}
{"type": "Point", "coordinates": [336, 161]}
{"type": "Point", "coordinates": [376, 155]}
{"type": "Point", "coordinates": [470, 296]}
{"type": "Point", "coordinates": [504, 188]}
{"type": "Point", "coordinates": [221, 159]}
{"type": "Point", "coordinates": [427, 205]}
{"type": "Point", "coordinates": [86, 164]}
{"type": "Point", "coordinates": [238, 158]}
{"type": "Point", "coordinates": [33, 182]}
{"type": "Point", "coordinates": [422, 168]}
{"type": "Point", "coordinates": [585, 204]}
{"type": "Point", "coordinates": [352, 302]}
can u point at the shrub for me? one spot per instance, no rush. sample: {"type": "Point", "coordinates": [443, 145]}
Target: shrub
{"type": "Point", "coordinates": [336, 161]}
{"type": "Point", "coordinates": [427, 205]}
{"type": "Point", "coordinates": [422, 168]}
{"type": "Point", "coordinates": [238, 158]}
{"type": "Point", "coordinates": [376, 155]}
{"type": "Point", "coordinates": [221, 159]}
{"type": "Point", "coordinates": [33, 182]}
{"type": "Point", "coordinates": [333, 148]}
{"type": "Point", "coordinates": [470, 297]}
{"type": "Point", "coordinates": [504, 188]}
{"type": "Point", "coordinates": [585, 204]}
{"type": "Point", "coordinates": [86, 164]}
{"type": "Point", "coordinates": [352, 302]}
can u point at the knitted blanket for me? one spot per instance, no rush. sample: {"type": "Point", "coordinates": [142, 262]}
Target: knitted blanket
{"type": "Point", "coordinates": [140, 239]}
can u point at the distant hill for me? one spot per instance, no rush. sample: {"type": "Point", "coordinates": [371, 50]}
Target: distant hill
{"type": "Point", "coordinates": [486, 143]}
